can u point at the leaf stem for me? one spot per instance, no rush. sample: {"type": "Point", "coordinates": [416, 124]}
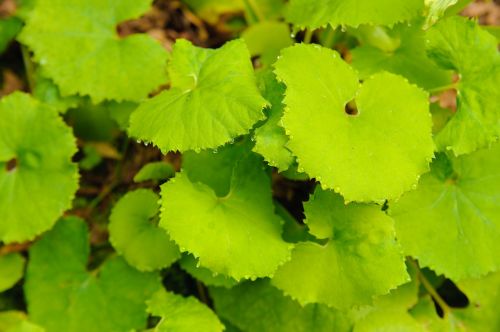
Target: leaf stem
{"type": "Point", "coordinates": [254, 10]}
{"type": "Point", "coordinates": [202, 292]}
{"type": "Point", "coordinates": [28, 66]}
{"type": "Point", "coordinates": [444, 88]}
{"type": "Point", "coordinates": [308, 36]}
{"type": "Point", "coordinates": [430, 289]}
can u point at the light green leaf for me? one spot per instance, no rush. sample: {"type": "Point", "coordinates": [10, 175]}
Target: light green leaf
{"type": "Point", "coordinates": [11, 270]}
{"type": "Point", "coordinates": [270, 138]}
{"type": "Point", "coordinates": [436, 9]}
{"type": "Point", "coordinates": [319, 13]}
{"type": "Point", "coordinates": [78, 39]}
{"type": "Point", "coordinates": [16, 321]}
{"type": "Point", "coordinates": [210, 10]}
{"type": "Point", "coordinates": [238, 234]}
{"type": "Point", "coordinates": [63, 296]}
{"type": "Point", "coordinates": [156, 171]}
{"type": "Point", "coordinates": [365, 157]}
{"type": "Point", "coordinates": [182, 314]}
{"type": "Point", "coordinates": [451, 222]}
{"type": "Point", "coordinates": [213, 99]}
{"type": "Point", "coordinates": [190, 264]}
{"type": "Point", "coordinates": [388, 320]}
{"type": "Point", "coordinates": [259, 307]}
{"type": "Point", "coordinates": [360, 260]}
{"type": "Point", "coordinates": [455, 43]}
{"type": "Point", "coordinates": [408, 58]}
{"type": "Point", "coordinates": [134, 233]}
{"type": "Point", "coordinates": [484, 300]}
{"type": "Point", "coordinates": [37, 178]}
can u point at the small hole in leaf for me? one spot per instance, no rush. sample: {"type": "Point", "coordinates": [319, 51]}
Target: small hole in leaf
{"type": "Point", "coordinates": [351, 108]}
{"type": "Point", "coordinates": [11, 164]}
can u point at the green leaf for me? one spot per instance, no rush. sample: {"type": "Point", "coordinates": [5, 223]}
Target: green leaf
{"type": "Point", "coordinates": [484, 300]}
{"type": "Point", "coordinates": [190, 264]}
{"type": "Point", "coordinates": [11, 270]}
{"type": "Point", "coordinates": [390, 312]}
{"type": "Point", "coordinates": [9, 28]}
{"type": "Point", "coordinates": [37, 178]}
{"type": "Point", "coordinates": [365, 157]}
{"type": "Point", "coordinates": [455, 43]}
{"type": "Point", "coordinates": [210, 10]}
{"type": "Point", "coordinates": [182, 314]}
{"type": "Point", "coordinates": [16, 321]}
{"type": "Point", "coordinates": [78, 39]}
{"type": "Point", "coordinates": [436, 9]}
{"type": "Point", "coordinates": [213, 99]}
{"type": "Point", "coordinates": [360, 260]}
{"type": "Point", "coordinates": [155, 171]}
{"type": "Point", "coordinates": [63, 296]}
{"type": "Point", "coordinates": [238, 234]}
{"type": "Point", "coordinates": [408, 58]}
{"type": "Point", "coordinates": [319, 13]}
{"type": "Point", "coordinates": [47, 92]}
{"type": "Point", "coordinates": [259, 307]}
{"type": "Point", "coordinates": [134, 233]}
{"type": "Point", "coordinates": [266, 39]}
{"type": "Point", "coordinates": [451, 222]}
{"type": "Point", "coordinates": [270, 138]}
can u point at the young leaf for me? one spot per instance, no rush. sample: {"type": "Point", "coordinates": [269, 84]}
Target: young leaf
{"type": "Point", "coordinates": [451, 222]}
{"type": "Point", "coordinates": [360, 260]}
{"type": "Point", "coordinates": [238, 234]}
{"type": "Point", "coordinates": [37, 178]}
{"type": "Point", "coordinates": [134, 235]}
{"type": "Point", "coordinates": [63, 296]}
{"type": "Point", "coordinates": [258, 306]}
{"type": "Point", "coordinates": [213, 98]}
{"type": "Point", "coordinates": [364, 156]}
{"type": "Point", "coordinates": [181, 314]}
{"type": "Point", "coordinates": [77, 44]}
{"type": "Point", "coordinates": [156, 171]}
{"type": "Point", "coordinates": [190, 264]}
{"type": "Point", "coordinates": [319, 13]}
{"type": "Point", "coordinates": [408, 59]}
{"type": "Point", "coordinates": [455, 43]}
{"type": "Point", "coordinates": [11, 270]}
{"type": "Point", "coordinates": [270, 138]}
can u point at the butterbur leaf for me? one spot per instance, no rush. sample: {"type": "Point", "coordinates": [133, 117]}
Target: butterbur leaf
{"type": "Point", "coordinates": [260, 307]}
{"type": "Point", "coordinates": [454, 43]}
{"type": "Point", "coordinates": [270, 138]}
{"type": "Point", "coordinates": [155, 171]}
{"type": "Point", "coordinates": [213, 99]}
{"type": "Point", "coordinates": [182, 314]}
{"type": "Point", "coordinates": [16, 321]}
{"type": "Point", "coordinates": [57, 283]}
{"type": "Point", "coordinates": [390, 320]}
{"type": "Point", "coordinates": [190, 264]}
{"type": "Point", "coordinates": [456, 209]}
{"type": "Point", "coordinates": [238, 234]}
{"type": "Point", "coordinates": [436, 9]}
{"type": "Point", "coordinates": [9, 28]}
{"type": "Point", "coordinates": [11, 270]}
{"type": "Point", "coordinates": [78, 39]}
{"type": "Point", "coordinates": [484, 299]}
{"type": "Point", "coordinates": [319, 13]}
{"type": "Point", "coordinates": [37, 178]}
{"type": "Point", "coordinates": [360, 260]}
{"type": "Point", "coordinates": [407, 59]}
{"type": "Point", "coordinates": [134, 234]}
{"type": "Point", "coordinates": [364, 155]}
